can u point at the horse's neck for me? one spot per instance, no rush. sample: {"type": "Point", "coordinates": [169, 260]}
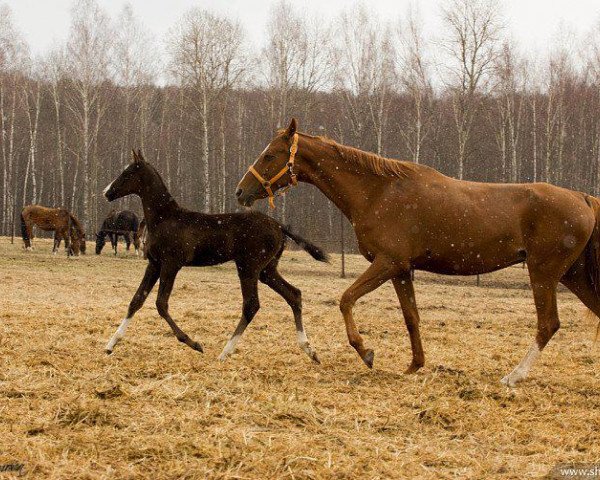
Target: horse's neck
{"type": "Point", "coordinates": [157, 202]}
{"type": "Point", "coordinates": [351, 190]}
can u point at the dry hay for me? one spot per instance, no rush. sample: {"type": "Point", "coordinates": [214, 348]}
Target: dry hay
{"type": "Point", "coordinates": [155, 409]}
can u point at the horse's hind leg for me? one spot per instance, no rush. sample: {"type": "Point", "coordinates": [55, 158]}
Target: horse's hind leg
{"type": "Point", "coordinates": [56, 242]}
{"type": "Point", "coordinates": [127, 237]}
{"type": "Point", "coordinates": [271, 277]}
{"type": "Point", "coordinates": [146, 286]}
{"type": "Point", "coordinates": [544, 295]}
{"type": "Point", "coordinates": [406, 294]}
{"type": "Point", "coordinates": [577, 281]}
{"type": "Point", "coordinates": [249, 284]}
{"type": "Point", "coordinates": [167, 279]}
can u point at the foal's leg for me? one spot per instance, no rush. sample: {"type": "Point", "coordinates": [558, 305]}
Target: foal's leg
{"type": "Point", "coordinates": [148, 282]}
{"type": "Point", "coordinates": [293, 296]}
{"type": "Point", "coordinates": [380, 271]}
{"type": "Point", "coordinates": [251, 305]}
{"type": "Point", "coordinates": [544, 295]}
{"type": "Point", "coordinates": [406, 294]}
{"type": "Point", "coordinates": [167, 279]}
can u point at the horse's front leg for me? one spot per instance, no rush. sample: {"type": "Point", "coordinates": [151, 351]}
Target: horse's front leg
{"type": "Point", "coordinates": [167, 280]}
{"type": "Point", "coordinates": [127, 237]}
{"type": "Point", "coordinates": [406, 294]}
{"type": "Point", "coordinates": [381, 270]}
{"type": "Point", "coordinates": [146, 286]}
{"type": "Point", "coordinates": [114, 240]}
{"type": "Point", "coordinates": [56, 245]}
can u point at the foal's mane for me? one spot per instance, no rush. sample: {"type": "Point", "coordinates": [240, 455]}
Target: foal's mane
{"type": "Point", "coordinates": [384, 167]}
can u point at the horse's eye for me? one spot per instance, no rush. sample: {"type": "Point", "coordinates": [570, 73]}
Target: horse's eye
{"type": "Point", "coordinates": [269, 157]}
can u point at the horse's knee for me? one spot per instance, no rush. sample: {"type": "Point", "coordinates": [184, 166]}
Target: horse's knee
{"type": "Point", "coordinates": [346, 303]}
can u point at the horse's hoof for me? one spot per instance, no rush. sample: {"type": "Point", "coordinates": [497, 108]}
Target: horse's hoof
{"type": "Point", "coordinates": [413, 368]}
{"type": "Point", "coordinates": [315, 358]}
{"type": "Point", "coordinates": [108, 352]}
{"type": "Point", "coordinates": [368, 358]}
{"type": "Point", "coordinates": [196, 346]}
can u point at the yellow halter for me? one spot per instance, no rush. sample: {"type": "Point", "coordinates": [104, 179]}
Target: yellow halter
{"type": "Point", "coordinates": [287, 169]}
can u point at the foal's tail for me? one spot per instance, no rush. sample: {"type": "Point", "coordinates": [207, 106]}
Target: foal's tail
{"type": "Point", "coordinates": [316, 252]}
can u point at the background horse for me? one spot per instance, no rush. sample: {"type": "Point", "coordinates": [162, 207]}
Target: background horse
{"type": "Point", "coordinates": [64, 224]}
{"type": "Point", "coordinates": [178, 237]}
{"type": "Point", "coordinates": [123, 223]}
{"type": "Point", "coordinates": [439, 224]}
{"type": "Point", "coordinates": [143, 236]}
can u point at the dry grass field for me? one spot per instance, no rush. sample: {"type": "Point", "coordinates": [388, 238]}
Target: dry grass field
{"type": "Point", "coordinates": [155, 409]}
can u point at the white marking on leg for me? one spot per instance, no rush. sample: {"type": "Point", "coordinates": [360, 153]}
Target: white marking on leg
{"type": "Point", "coordinates": [522, 369]}
{"type": "Point", "coordinates": [120, 333]}
{"type": "Point", "coordinates": [305, 345]}
{"type": "Point", "coordinates": [107, 188]}
{"type": "Point", "coordinates": [230, 347]}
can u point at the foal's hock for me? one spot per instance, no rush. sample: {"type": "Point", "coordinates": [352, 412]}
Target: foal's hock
{"type": "Point", "coordinates": [177, 237]}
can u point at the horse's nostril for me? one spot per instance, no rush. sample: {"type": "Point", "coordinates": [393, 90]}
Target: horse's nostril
{"type": "Point", "coordinates": [238, 192]}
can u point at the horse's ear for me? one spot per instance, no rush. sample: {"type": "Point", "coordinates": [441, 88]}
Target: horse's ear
{"type": "Point", "coordinates": [293, 127]}
{"type": "Point", "coordinates": [139, 155]}
{"type": "Point", "coordinates": [134, 157]}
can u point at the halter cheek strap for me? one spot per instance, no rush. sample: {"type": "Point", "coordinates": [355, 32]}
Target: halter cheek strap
{"type": "Point", "coordinates": [289, 169]}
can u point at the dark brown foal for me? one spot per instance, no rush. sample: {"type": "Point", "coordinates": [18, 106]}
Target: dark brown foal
{"type": "Point", "coordinates": [177, 237]}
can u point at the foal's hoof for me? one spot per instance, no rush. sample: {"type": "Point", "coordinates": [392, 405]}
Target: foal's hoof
{"type": "Point", "coordinates": [368, 358]}
{"type": "Point", "coordinates": [196, 346]}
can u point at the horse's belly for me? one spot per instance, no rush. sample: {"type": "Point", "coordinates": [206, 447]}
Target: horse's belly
{"type": "Point", "coordinates": [471, 261]}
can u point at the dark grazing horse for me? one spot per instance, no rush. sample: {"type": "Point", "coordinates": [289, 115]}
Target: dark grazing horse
{"type": "Point", "coordinates": [178, 237]}
{"type": "Point", "coordinates": [143, 236]}
{"type": "Point", "coordinates": [123, 223]}
{"type": "Point", "coordinates": [411, 217]}
{"type": "Point", "coordinates": [64, 224]}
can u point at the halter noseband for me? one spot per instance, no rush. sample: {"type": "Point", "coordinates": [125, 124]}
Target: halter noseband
{"type": "Point", "coordinates": [287, 169]}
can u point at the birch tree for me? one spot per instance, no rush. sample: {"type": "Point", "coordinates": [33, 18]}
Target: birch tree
{"type": "Point", "coordinates": [415, 77]}
{"type": "Point", "coordinates": [89, 54]}
{"type": "Point", "coordinates": [365, 73]}
{"type": "Point", "coordinates": [205, 51]}
{"type": "Point", "coordinates": [471, 44]}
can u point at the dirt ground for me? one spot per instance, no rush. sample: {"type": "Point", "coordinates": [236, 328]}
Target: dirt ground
{"type": "Point", "coordinates": [156, 409]}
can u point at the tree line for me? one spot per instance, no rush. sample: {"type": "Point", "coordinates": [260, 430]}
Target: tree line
{"type": "Point", "coordinates": [467, 102]}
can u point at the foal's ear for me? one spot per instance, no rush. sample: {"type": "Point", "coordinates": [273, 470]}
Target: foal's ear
{"type": "Point", "coordinates": [134, 157]}
{"type": "Point", "coordinates": [291, 130]}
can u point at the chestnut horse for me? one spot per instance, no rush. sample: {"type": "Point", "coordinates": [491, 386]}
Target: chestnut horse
{"type": "Point", "coordinates": [64, 224]}
{"type": "Point", "coordinates": [441, 225]}
{"type": "Point", "coordinates": [177, 237]}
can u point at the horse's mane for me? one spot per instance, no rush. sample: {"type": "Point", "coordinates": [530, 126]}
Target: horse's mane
{"type": "Point", "coordinates": [385, 167]}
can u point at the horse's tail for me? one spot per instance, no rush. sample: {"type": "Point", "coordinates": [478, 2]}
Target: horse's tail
{"type": "Point", "coordinates": [316, 252]}
{"type": "Point", "coordinates": [592, 253]}
{"type": "Point", "coordinates": [24, 232]}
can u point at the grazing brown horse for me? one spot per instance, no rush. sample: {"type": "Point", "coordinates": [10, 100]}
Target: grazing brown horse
{"type": "Point", "coordinates": [178, 237]}
{"type": "Point", "coordinates": [439, 224]}
{"type": "Point", "coordinates": [64, 224]}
